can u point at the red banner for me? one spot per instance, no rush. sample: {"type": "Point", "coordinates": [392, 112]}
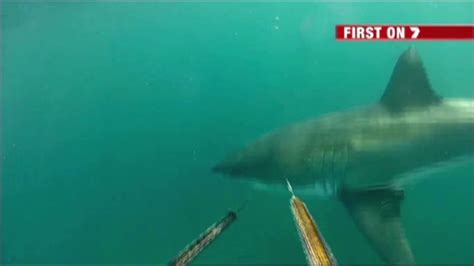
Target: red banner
{"type": "Point", "coordinates": [404, 32]}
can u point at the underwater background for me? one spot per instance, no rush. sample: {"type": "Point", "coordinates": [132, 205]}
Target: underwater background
{"type": "Point", "coordinates": [113, 114]}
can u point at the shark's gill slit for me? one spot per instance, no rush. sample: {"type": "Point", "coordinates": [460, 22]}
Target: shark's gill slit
{"type": "Point", "coordinates": [330, 175]}
{"type": "Point", "coordinates": [323, 174]}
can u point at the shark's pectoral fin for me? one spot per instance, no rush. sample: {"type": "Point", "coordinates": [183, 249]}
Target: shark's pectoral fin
{"type": "Point", "coordinates": [377, 214]}
{"type": "Point", "coordinates": [409, 85]}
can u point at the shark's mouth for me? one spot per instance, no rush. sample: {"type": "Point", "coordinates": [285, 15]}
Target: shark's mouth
{"type": "Point", "coordinates": [322, 190]}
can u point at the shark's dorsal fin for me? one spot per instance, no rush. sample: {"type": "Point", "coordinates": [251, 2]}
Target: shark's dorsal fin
{"type": "Point", "coordinates": [377, 214]}
{"type": "Point", "coordinates": [409, 85]}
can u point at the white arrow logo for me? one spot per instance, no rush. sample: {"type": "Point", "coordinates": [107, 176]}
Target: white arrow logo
{"type": "Point", "coordinates": [415, 32]}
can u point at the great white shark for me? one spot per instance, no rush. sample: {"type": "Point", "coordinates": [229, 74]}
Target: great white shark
{"type": "Point", "coordinates": [365, 156]}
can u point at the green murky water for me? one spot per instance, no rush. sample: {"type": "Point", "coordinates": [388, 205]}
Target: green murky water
{"type": "Point", "coordinates": [113, 114]}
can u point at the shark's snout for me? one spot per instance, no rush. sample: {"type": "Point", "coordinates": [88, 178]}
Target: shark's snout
{"type": "Point", "coordinates": [227, 169]}
{"type": "Point", "coordinates": [255, 161]}
{"type": "Point", "coordinates": [235, 166]}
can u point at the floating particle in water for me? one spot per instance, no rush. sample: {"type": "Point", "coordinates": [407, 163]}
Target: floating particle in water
{"type": "Point", "coordinates": [277, 18]}
{"type": "Point", "coordinates": [276, 27]}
